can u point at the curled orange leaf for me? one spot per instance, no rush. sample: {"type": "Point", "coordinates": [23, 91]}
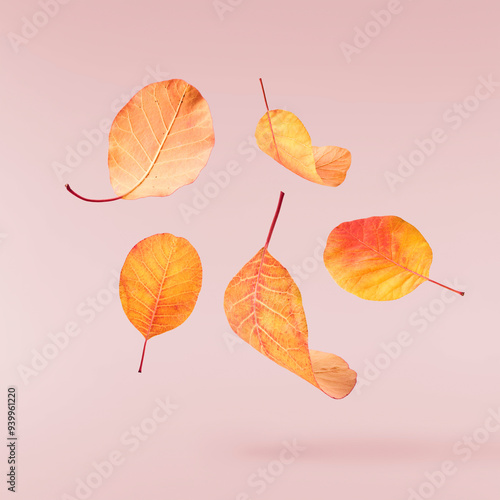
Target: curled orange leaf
{"type": "Point", "coordinates": [264, 307]}
{"type": "Point", "coordinates": [379, 258]}
{"type": "Point", "coordinates": [159, 141]}
{"type": "Point", "coordinates": [159, 284]}
{"type": "Point", "coordinates": [282, 136]}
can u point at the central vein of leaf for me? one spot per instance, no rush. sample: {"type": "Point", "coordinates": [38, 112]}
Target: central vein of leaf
{"type": "Point", "coordinates": [254, 296]}
{"type": "Point", "coordinates": [388, 258]}
{"type": "Point", "coordinates": [264, 250]}
{"type": "Point", "coordinates": [158, 297]}
{"type": "Point", "coordinates": [160, 146]}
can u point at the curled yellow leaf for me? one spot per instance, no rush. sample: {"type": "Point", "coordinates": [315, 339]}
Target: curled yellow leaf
{"type": "Point", "coordinates": [281, 135]}
{"type": "Point", "coordinates": [159, 284]}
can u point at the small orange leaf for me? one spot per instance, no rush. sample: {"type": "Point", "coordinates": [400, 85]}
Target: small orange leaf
{"type": "Point", "coordinates": [379, 258]}
{"type": "Point", "coordinates": [159, 284]}
{"type": "Point", "coordinates": [159, 141]}
{"type": "Point", "coordinates": [264, 307]}
{"type": "Point", "coordinates": [282, 136]}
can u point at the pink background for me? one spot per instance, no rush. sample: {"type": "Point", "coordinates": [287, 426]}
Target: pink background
{"type": "Point", "coordinates": [235, 407]}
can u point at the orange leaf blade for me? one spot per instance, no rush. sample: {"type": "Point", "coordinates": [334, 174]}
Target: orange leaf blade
{"type": "Point", "coordinates": [379, 258]}
{"type": "Point", "coordinates": [159, 283]}
{"type": "Point", "coordinates": [160, 140]}
{"type": "Point", "coordinates": [333, 374]}
{"type": "Point", "coordinates": [264, 307]}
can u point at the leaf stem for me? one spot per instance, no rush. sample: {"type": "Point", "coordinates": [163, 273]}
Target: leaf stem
{"type": "Point", "coordinates": [92, 200]}
{"type": "Point", "coordinates": [407, 269]}
{"type": "Point", "coordinates": [278, 208]}
{"type": "Point", "coordinates": [269, 118]}
{"type": "Point", "coordinates": [447, 287]}
{"type": "Point", "coordinates": [142, 357]}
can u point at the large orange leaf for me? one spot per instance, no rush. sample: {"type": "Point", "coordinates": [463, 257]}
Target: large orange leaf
{"type": "Point", "coordinates": [264, 307]}
{"type": "Point", "coordinates": [159, 284]}
{"type": "Point", "coordinates": [159, 141]}
{"type": "Point", "coordinates": [379, 258]}
{"type": "Point", "coordinates": [282, 136]}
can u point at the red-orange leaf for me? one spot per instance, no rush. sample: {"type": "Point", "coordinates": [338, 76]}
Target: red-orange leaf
{"type": "Point", "coordinates": [379, 258]}
{"type": "Point", "coordinates": [264, 307]}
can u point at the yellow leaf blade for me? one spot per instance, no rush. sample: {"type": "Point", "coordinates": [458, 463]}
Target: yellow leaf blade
{"type": "Point", "coordinates": [293, 141]}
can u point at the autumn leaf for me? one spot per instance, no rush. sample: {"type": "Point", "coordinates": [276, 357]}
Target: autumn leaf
{"type": "Point", "coordinates": [159, 284]}
{"type": "Point", "coordinates": [158, 142]}
{"type": "Point", "coordinates": [379, 258]}
{"type": "Point", "coordinates": [282, 136]}
{"type": "Point", "coordinates": [264, 307]}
